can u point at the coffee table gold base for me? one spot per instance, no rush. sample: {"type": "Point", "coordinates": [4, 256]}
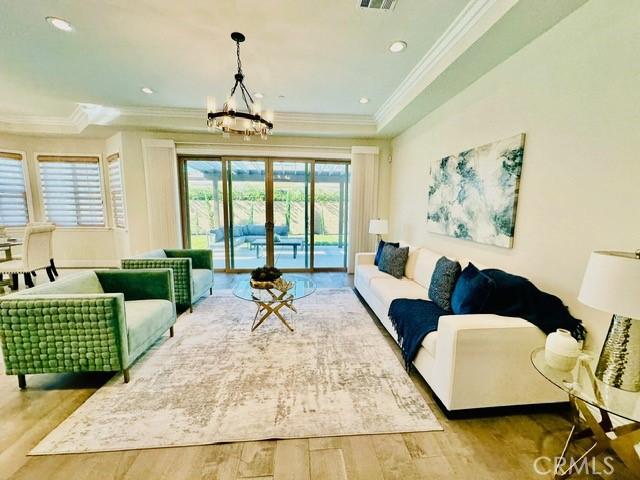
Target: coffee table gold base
{"type": "Point", "coordinates": [585, 425]}
{"type": "Point", "coordinates": [273, 306]}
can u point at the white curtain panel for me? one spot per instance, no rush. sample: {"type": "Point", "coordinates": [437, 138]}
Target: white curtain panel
{"type": "Point", "coordinates": [363, 204]}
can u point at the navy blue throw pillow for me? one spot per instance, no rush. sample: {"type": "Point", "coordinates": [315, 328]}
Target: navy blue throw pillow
{"type": "Point", "coordinates": [443, 280]}
{"type": "Point", "coordinates": [380, 247]}
{"type": "Point", "coordinates": [471, 291]}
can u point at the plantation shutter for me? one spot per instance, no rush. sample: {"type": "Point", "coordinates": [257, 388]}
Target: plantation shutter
{"type": "Point", "coordinates": [13, 194]}
{"type": "Point", "coordinates": [72, 190]}
{"type": "Point", "coordinates": [115, 187]}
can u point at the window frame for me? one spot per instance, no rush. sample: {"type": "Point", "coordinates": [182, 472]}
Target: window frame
{"type": "Point", "coordinates": [27, 185]}
{"type": "Point", "coordinates": [43, 208]}
{"type": "Point", "coordinates": [115, 157]}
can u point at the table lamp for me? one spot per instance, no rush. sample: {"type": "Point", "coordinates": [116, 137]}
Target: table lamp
{"type": "Point", "coordinates": [612, 284]}
{"type": "Point", "coordinates": [378, 227]}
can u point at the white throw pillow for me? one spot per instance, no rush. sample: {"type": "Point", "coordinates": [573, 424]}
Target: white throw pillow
{"type": "Point", "coordinates": [410, 267]}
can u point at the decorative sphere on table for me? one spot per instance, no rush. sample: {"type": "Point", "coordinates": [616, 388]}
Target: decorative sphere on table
{"type": "Point", "coordinates": [561, 350]}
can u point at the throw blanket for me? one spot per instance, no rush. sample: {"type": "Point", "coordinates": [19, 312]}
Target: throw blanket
{"type": "Point", "coordinates": [413, 320]}
{"type": "Point", "coordinates": [516, 296]}
{"type": "Point", "coordinates": [513, 296]}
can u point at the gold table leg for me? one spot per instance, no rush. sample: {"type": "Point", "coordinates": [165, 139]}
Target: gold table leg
{"type": "Point", "coordinates": [268, 308]}
{"type": "Point", "coordinates": [623, 443]}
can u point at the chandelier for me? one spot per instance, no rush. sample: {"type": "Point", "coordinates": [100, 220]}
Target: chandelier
{"type": "Point", "coordinates": [232, 119]}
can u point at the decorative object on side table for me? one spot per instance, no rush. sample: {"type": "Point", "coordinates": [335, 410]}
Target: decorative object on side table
{"type": "Point", "coordinates": [264, 277]}
{"type": "Point", "coordinates": [561, 350]}
{"type": "Point", "coordinates": [612, 284]}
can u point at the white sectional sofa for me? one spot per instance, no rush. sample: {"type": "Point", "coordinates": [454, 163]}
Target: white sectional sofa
{"type": "Point", "coordinates": [471, 361]}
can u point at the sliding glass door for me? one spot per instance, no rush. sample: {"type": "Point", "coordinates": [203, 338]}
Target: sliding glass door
{"type": "Point", "coordinates": [248, 229]}
{"type": "Point", "coordinates": [291, 213]}
{"type": "Point", "coordinates": [203, 206]}
{"type": "Point", "coordinates": [331, 211]}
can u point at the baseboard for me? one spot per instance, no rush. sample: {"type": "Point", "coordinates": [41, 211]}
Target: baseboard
{"type": "Point", "coordinates": [87, 263]}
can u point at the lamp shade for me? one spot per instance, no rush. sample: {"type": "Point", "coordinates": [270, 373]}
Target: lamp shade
{"type": "Point", "coordinates": [378, 227]}
{"type": "Point", "coordinates": [611, 283]}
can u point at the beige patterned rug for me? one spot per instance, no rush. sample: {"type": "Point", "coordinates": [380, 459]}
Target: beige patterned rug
{"type": "Point", "coordinates": [215, 381]}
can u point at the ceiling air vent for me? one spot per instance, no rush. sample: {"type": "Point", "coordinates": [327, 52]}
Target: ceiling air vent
{"type": "Point", "coordinates": [378, 4]}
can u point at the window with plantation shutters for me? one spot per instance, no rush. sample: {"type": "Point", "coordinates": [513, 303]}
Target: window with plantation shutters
{"type": "Point", "coordinates": [13, 195]}
{"type": "Point", "coordinates": [72, 190]}
{"type": "Point", "coordinates": [116, 191]}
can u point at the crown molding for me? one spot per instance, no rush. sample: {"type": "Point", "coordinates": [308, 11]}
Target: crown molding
{"type": "Point", "coordinates": [422, 74]}
{"type": "Point", "coordinates": [263, 150]}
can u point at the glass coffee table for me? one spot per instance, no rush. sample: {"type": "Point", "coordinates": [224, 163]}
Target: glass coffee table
{"type": "Point", "coordinates": [587, 395]}
{"type": "Point", "coordinates": [272, 301]}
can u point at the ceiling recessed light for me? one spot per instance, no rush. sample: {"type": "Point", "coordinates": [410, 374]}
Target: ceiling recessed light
{"type": "Point", "coordinates": [258, 95]}
{"type": "Point", "coordinates": [147, 90]}
{"type": "Point", "coordinates": [397, 47]}
{"type": "Point", "coordinates": [60, 24]}
{"type": "Point", "coordinates": [364, 100]}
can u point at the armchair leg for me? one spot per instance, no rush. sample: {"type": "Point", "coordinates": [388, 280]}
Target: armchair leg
{"type": "Point", "coordinates": [190, 308]}
{"type": "Point", "coordinates": [171, 331]}
{"type": "Point", "coordinates": [53, 267]}
{"type": "Point", "coordinates": [52, 278]}
{"type": "Point", "coordinates": [125, 372]}
{"type": "Point", "coordinates": [14, 281]}
{"type": "Point", "coordinates": [28, 281]}
{"type": "Point", "coordinates": [22, 381]}
{"type": "Point", "coordinates": [210, 290]}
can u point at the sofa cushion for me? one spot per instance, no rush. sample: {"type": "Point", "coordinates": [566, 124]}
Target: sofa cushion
{"type": "Point", "coordinates": [256, 230]}
{"type": "Point", "coordinates": [144, 319]}
{"type": "Point", "coordinates": [471, 291]}
{"type": "Point", "coordinates": [393, 260]}
{"type": "Point", "coordinates": [412, 260]}
{"type": "Point", "coordinates": [81, 283]}
{"type": "Point", "coordinates": [201, 280]}
{"type": "Point", "coordinates": [425, 265]}
{"type": "Point", "coordinates": [366, 273]}
{"type": "Point", "coordinates": [389, 288]}
{"type": "Point", "coordinates": [443, 281]}
{"type": "Point", "coordinates": [381, 244]}
{"type": "Point", "coordinates": [281, 230]}
{"type": "Point", "coordinates": [238, 231]}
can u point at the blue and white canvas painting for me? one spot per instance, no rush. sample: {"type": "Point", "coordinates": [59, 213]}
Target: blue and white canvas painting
{"type": "Point", "coordinates": [474, 195]}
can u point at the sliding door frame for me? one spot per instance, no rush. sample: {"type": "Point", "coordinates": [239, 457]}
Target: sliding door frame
{"type": "Point", "coordinates": [269, 205]}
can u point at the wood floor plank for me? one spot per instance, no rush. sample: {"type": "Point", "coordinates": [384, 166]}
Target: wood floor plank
{"type": "Point", "coordinates": [291, 460]}
{"type": "Point", "coordinates": [360, 458]}
{"type": "Point", "coordinates": [394, 457]}
{"type": "Point", "coordinates": [323, 443]}
{"type": "Point", "coordinates": [327, 464]}
{"type": "Point", "coordinates": [222, 461]}
{"type": "Point", "coordinates": [257, 459]}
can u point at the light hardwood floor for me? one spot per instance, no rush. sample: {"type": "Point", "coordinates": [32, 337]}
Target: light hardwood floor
{"type": "Point", "coordinates": [492, 446]}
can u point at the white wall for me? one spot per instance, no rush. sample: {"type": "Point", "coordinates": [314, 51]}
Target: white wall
{"type": "Point", "coordinates": [575, 92]}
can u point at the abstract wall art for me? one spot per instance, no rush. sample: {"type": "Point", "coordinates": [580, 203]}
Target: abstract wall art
{"type": "Point", "coordinates": [474, 195]}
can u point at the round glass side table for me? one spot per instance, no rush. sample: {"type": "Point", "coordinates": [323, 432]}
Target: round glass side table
{"type": "Point", "coordinates": [588, 395]}
{"type": "Point", "coordinates": [271, 301]}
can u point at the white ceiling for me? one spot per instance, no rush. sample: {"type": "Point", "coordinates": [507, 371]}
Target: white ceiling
{"type": "Point", "coordinates": [321, 55]}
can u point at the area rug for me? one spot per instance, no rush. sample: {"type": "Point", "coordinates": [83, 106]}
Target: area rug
{"type": "Point", "coordinates": [216, 381]}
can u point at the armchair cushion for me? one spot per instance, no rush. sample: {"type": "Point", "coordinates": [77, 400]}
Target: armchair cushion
{"type": "Point", "coordinates": [202, 281]}
{"type": "Point", "coordinates": [139, 284]}
{"type": "Point", "coordinates": [145, 320]}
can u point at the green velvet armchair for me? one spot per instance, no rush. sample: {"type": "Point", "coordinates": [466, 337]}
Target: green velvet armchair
{"type": "Point", "coordinates": [192, 272]}
{"type": "Point", "coordinates": [93, 321]}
